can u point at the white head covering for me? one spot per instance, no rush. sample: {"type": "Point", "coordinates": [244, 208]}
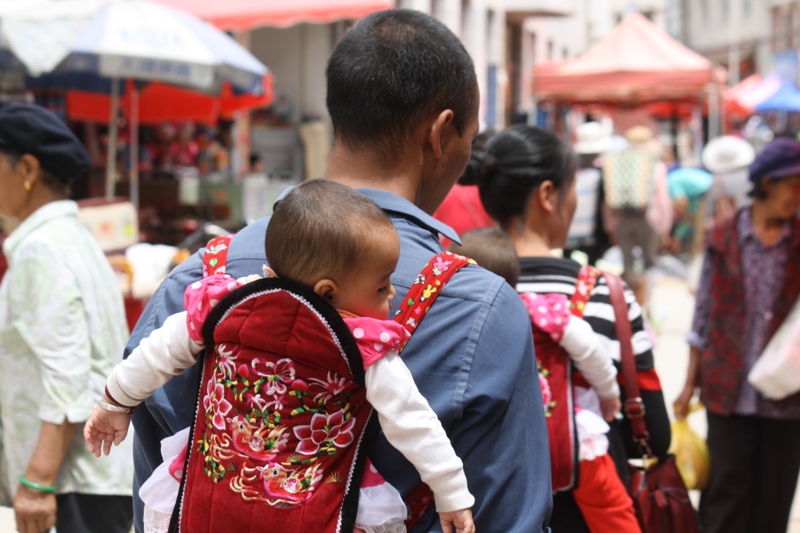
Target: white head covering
{"type": "Point", "coordinates": [592, 138]}
{"type": "Point", "coordinates": [727, 153]}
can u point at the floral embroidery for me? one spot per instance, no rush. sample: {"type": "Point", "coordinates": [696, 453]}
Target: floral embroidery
{"type": "Point", "coordinates": [226, 361]}
{"type": "Point", "coordinates": [216, 404]}
{"type": "Point", "coordinates": [277, 374]}
{"type": "Point", "coordinates": [334, 386]}
{"type": "Point", "coordinates": [325, 433]}
{"type": "Point", "coordinates": [547, 395]}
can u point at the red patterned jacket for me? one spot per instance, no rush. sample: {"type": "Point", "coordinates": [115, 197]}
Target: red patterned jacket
{"type": "Point", "coordinates": [721, 362]}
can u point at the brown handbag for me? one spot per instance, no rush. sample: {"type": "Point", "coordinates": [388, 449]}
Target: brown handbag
{"type": "Point", "coordinates": [659, 495]}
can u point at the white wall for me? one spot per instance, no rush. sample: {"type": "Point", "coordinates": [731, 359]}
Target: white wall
{"type": "Point", "coordinates": [297, 57]}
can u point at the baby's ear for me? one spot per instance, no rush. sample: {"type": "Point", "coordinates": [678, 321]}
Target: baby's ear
{"type": "Point", "coordinates": [327, 288]}
{"type": "Point", "coordinates": [268, 272]}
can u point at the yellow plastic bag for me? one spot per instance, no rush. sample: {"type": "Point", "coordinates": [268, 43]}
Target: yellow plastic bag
{"type": "Point", "coordinates": [691, 453]}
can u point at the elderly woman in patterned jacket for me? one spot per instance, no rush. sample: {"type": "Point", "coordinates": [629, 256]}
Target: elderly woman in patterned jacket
{"type": "Point", "coordinates": [749, 282]}
{"type": "Point", "coordinates": [62, 325]}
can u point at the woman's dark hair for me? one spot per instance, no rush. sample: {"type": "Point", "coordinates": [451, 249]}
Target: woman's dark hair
{"type": "Point", "coordinates": [474, 167]}
{"type": "Point", "coordinates": [390, 71]}
{"type": "Point", "coordinates": [518, 160]}
{"type": "Point", "coordinates": [49, 179]}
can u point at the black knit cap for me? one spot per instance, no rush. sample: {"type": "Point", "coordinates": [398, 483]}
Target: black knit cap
{"type": "Point", "coordinates": [32, 129]}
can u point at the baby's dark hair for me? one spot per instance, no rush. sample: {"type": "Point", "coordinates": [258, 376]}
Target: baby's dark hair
{"type": "Point", "coordinates": [493, 249]}
{"type": "Point", "coordinates": [318, 231]}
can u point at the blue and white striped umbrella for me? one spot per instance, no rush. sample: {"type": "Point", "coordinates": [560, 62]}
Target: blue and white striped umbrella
{"type": "Point", "coordinates": [143, 40]}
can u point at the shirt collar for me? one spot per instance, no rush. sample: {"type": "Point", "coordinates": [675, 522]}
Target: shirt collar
{"type": "Point", "coordinates": [748, 232]}
{"type": "Point", "coordinates": [46, 213]}
{"type": "Point", "coordinates": [395, 204]}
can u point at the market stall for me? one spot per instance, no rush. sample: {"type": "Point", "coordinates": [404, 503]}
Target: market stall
{"type": "Point", "coordinates": [638, 63]}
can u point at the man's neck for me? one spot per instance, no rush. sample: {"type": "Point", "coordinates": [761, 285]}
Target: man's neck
{"type": "Point", "coordinates": [359, 169]}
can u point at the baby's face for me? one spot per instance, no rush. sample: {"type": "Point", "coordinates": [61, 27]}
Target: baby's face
{"type": "Point", "coordinates": [367, 290]}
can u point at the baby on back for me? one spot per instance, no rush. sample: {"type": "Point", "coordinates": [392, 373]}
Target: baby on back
{"type": "Point", "coordinates": [336, 242]}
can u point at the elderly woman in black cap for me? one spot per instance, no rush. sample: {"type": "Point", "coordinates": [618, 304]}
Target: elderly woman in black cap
{"type": "Point", "coordinates": [749, 283]}
{"type": "Point", "coordinates": [62, 328]}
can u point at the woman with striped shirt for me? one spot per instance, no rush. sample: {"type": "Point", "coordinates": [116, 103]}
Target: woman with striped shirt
{"type": "Point", "coordinates": [528, 186]}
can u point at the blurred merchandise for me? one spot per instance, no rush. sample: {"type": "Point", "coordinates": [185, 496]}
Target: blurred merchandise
{"type": "Point", "coordinates": [776, 373]}
{"type": "Point", "coordinates": [114, 224]}
{"type": "Point", "coordinates": [691, 453]}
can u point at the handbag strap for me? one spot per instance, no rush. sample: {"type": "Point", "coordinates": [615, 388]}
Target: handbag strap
{"type": "Point", "coordinates": [634, 406]}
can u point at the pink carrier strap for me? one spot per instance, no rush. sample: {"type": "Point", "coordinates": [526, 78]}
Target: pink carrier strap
{"type": "Point", "coordinates": [215, 258]}
{"type": "Point", "coordinates": [416, 304]}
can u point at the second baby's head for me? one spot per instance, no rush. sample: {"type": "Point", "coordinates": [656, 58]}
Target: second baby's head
{"type": "Point", "coordinates": [338, 242]}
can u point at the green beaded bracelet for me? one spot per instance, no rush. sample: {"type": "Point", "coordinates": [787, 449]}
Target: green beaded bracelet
{"type": "Point", "coordinates": [49, 489]}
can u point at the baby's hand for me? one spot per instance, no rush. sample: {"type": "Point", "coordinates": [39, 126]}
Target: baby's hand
{"type": "Point", "coordinates": [462, 520]}
{"type": "Point", "coordinates": [610, 408]}
{"type": "Point", "coordinates": [103, 428]}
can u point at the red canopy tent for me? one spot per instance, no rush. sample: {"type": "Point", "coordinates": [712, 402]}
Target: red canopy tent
{"type": "Point", "coordinates": [159, 102]}
{"type": "Point", "coordinates": [733, 97]}
{"type": "Point", "coordinates": [248, 14]}
{"type": "Point", "coordinates": [637, 63]}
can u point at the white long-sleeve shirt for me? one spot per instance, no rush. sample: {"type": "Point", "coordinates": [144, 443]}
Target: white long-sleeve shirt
{"type": "Point", "coordinates": [406, 418]}
{"type": "Point", "coordinates": [586, 351]}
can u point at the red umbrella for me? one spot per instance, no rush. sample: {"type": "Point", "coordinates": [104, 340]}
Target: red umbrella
{"type": "Point", "coordinates": [160, 102]}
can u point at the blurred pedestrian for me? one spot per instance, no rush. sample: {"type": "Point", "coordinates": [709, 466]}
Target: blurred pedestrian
{"type": "Point", "coordinates": [62, 327]}
{"type": "Point", "coordinates": [587, 232]}
{"type": "Point", "coordinates": [729, 159]}
{"type": "Point", "coordinates": [403, 98]}
{"type": "Point", "coordinates": [750, 280]}
{"type": "Point", "coordinates": [529, 188]}
{"type": "Point", "coordinates": [635, 184]}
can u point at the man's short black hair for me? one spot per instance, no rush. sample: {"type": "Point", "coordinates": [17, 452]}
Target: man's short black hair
{"type": "Point", "coordinates": [390, 72]}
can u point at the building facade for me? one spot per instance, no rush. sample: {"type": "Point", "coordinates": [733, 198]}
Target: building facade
{"type": "Point", "coordinates": [746, 36]}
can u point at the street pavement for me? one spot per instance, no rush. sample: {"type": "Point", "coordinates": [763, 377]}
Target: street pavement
{"type": "Point", "coordinates": [672, 306]}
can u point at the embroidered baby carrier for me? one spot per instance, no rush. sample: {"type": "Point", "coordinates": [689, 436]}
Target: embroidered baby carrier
{"type": "Point", "coordinates": [556, 379]}
{"type": "Point", "coordinates": [282, 423]}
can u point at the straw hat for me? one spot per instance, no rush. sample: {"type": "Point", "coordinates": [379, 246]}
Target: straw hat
{"type": "Point", "coordinates": [592, 138]}
{"type": "Point", "coordinates": [727, 153]}
{"type": "Point", "coordinates": [639, 135]}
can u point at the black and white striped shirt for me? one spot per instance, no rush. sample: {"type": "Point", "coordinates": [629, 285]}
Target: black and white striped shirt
{"type": "Point", "coordinates": [548, 275]}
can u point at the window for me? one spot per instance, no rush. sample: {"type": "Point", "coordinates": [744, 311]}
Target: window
{"type": "Point", "coordinates": [436, 9]}
{"type": "Point", "coordinates": [550, 49]}
{"type": "Point", "coordinates": [725, 10]}
{"type": "Point", "coordinates": [704, 11]}
{"type": "Point", "coordinates": [747, 6]}
{"type": "Point", "coordinates": [564, 53]}
{"type": "Point", "coordinates": [466, 19]}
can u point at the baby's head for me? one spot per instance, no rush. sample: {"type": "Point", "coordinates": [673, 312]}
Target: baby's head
{"type": "Point", "coordinates": [338, 242]}
{"type": "Point", "coordinates": [492, 249]}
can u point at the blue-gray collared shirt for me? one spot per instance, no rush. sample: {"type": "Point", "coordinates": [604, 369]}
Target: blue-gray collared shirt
{"type": "Point", "coordinates": [472, 358]}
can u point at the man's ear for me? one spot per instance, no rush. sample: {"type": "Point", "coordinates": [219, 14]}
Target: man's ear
{"type": "Point", "coordinates": [328, 289]}
{"type": "Point", "coordinates": [436, 131]}
{"type": "Point", "coordinates": [268, 272]}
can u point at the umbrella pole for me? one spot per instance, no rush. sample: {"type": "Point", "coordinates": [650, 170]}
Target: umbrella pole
{"type": "Point", "coordinates": [134, 155]}
{"type": "Point", "coordinates": [111, 154]}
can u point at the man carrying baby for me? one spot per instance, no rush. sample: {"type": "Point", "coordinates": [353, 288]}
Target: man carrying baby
{"type": "Point", "coordinates": [403, 99]}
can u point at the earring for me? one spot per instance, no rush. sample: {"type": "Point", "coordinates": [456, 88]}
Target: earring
{"type": "Point", "coordinates": [28, 186]}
